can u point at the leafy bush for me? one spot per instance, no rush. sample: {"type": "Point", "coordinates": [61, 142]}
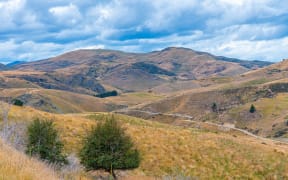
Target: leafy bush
{"type": "Point", "coordinates": [43, 141]}
{"type": "Point", "coordinates": [107, 94]}
{"type": "Point", "coordinates": [17, 102]}
{"type": "Point", "coordinates": [214, 107]}
{"type": "Point", "coordinates": [252, 109]}
{"type": "Point", "coordinates": [108, 147]}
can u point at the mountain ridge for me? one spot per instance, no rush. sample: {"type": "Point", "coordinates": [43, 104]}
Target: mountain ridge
{"type": "Point", "coordinates": [89, 71]}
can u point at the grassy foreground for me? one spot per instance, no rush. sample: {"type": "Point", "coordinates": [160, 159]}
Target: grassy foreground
{"type": "Point", "coordinates": [170, 150]}
{"type": "Point", "coordinates": [15, 165]}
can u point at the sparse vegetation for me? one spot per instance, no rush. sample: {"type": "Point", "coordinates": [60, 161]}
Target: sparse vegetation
{"type": "Point", "coordinates": [5, 109]}
{"type": "Point", "coordinates": [108, 147]}
{"type": "Point", "coordinates": [214, 107]}
{"type": "Point", "coordinates": [281, 132]}
{"type": "Point", "coordinates": [272, 71]}
{"type": "Point", "coordinates": [151, 68]}
{"type": "Point", "coordinates": [279, 87]}
{"type": "Point", "coordinates": [107, 94]}
{"type": "Point", "coordinates": [44, 142]}
{"type": "Point", "coordinates": [165, 149]}
{"type": "Point", "coordinates": [16, 165]}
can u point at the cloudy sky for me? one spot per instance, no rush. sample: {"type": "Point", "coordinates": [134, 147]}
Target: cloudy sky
{"type": "Point", "coordinates": [246, 29]}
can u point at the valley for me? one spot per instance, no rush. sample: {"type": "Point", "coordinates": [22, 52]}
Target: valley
{"type": "Point", "coordinates": [182, 109]}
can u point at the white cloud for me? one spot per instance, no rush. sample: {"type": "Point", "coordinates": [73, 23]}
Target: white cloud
{"type": "Point", "coordinates": [99, 46]}
{"type": "Point", "coordinates": [269, 50]}
{"type": "Point", "coordinates": [251, 31]}
{"type": "Point", "coordinates": [66, 14]}
{"type": "Point", "coordinates": [8, 12]}
{"type": "Point", "coordinates": [27, 50]}
{"type": "Point", "coordinates": [216, 26]}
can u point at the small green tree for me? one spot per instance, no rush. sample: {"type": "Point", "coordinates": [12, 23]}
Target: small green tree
{"type": "Point", "coordinates": [108, 147]}
{"type": "Point", "coordinates": [214, 107]}
{"type": "Point", "coordinates": [252, 108]}
{"type": "Point", "coordinates": [44, 142]}
{"type": "Point", "coordinates": [17, 102]}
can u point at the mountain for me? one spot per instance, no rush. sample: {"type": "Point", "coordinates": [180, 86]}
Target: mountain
{"type": "Point", "coordinates": [14, 63]}
{"type": "Point", "coordinates": [2, 66]}
{"type": "Point", "coordinates": [90, 71]}
{"type": "Point", "coordinates": [197, 103]}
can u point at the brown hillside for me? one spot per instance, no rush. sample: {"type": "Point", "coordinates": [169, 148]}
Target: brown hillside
{"type": "Point", "coordinates": [88, 71]}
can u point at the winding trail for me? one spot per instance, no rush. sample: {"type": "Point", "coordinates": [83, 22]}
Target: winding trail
{"type": "Point", "coordinates": [190, 118]}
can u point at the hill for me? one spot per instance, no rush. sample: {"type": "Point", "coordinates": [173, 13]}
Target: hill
{"type": "Point", "coordinates": [202, 99]}
{"type": "Point", "coordinates": [172, 151]}
{"type": "Point", "coordinates": [58, 101]}
{"type": "Point", "coordinates": [90, 71]}
{"type": "Point", "coordinates": [265, 87]}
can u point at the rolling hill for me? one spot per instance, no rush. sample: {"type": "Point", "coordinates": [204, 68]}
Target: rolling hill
{"type": "Point", "coordinates": [58, 101]}
{"type": "Point", "coordinates": [89, 71]}
{"type": "Point", "coordinates": [170, 151]}
{"type": "Point", "coordinates": [266, 88]}
{"type": "Point", "coordinates": [186, 134]}
{"type": "Point", "coordinates": [56, 80]}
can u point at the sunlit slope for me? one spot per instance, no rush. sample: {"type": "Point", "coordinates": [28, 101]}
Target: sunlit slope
{"type": "Point", "coordinates": [170, 150]}
{"type": "Point", "coordinates": [58, 101]}
{"type": "Point", "coordinates": [18, 166]}
{"type": "Point", "coordinates": [270, 118]}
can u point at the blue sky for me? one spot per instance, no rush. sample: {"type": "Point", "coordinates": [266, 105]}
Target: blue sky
{"type": "Point", "coordinates": [245, 29]}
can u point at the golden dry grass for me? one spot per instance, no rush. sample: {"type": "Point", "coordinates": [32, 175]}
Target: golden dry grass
{"type": "Point", "coordinates": [60, 101]}
{"type": "Point", "coordinates": [271, 113]}
{"type": "Point", "coordinates": [169, 150]}
{"type": "Point", "coordinates": [132, 99]}
{"type": "Point", "coordinates": [15, 165]}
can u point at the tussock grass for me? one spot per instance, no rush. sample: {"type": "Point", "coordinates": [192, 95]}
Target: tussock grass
{"type": "Point", "coordinates": [16, 165]}
{"type": "Point", "coordinates": [169, 150]}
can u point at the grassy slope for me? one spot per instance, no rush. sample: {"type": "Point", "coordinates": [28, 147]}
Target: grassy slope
{"type": "Point", "coordinates": [135, 98]}
{"type": "Point", "coordinates": [271, 114]}
{"type": "Point", "coordinates": [197, 102]}
{"type": "Point", "coordinates": [15, 165]}
{"type": "Point", "coordinates": [172, 150]}
{"type": "Point", "coordinates": [58, 101]}
{"type": "Point", "coordinates": [62, 101]}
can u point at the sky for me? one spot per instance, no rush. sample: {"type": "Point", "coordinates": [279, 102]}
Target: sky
{"type": "Point", "coordinates": [246, 29]}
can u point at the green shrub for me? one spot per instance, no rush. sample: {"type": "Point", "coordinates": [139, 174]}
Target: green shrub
{"type": "Point", "coordinates": [108, 147]}
{"type": "Point", "coordinates": [252, 108]}
{"type": "Point", "coordinates": [107, 94]}
{"type": "Point", "coordinates": [17, 102]}
{"type": "Point", "coordinates": [44, 142]}
{"type": "Point", "coordinates": [214, 107]}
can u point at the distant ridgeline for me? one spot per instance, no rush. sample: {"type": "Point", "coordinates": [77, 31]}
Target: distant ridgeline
{"type": "Point", "coordinates": [107, 94]}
